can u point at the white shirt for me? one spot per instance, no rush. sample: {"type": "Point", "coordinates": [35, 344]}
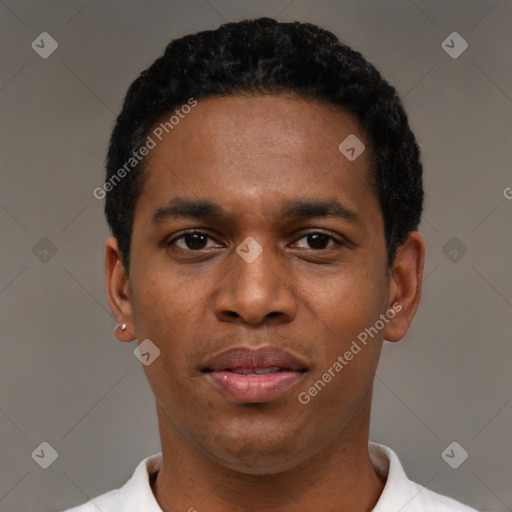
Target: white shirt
{"type": "Point", "coordinates": [399, 495]}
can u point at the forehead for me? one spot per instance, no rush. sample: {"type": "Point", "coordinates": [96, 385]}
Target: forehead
{"type": "Point", "coordinates": [256, 148]}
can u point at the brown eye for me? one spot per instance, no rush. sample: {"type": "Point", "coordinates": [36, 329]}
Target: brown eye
{"type": "Point", "coordinates": [318, 240]}
{"type": "Point", "coordinates": [192, 241]}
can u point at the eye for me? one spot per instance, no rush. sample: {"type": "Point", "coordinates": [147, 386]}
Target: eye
{"type": "Point", "coordinates": [191, 241]}
{"type": "Point", "coordinates": [318, 240]}
{"type": "Point", "coordinates": [198, 240]}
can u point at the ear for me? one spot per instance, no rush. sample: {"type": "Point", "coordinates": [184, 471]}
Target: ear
{"type": "Point", "coordinates": [118, 291]}
{"type": "Point", "coordinates": [405, 286]}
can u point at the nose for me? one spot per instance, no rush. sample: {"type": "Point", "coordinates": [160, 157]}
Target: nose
{"type": "Point", "coordinates": [255, 292]}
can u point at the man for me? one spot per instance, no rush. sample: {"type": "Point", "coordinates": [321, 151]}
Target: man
{"type": "Point", "coordinates": [264, 192]}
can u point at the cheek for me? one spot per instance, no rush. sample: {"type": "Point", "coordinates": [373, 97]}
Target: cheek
{"type": "Point", "coordinates": [352, 301]}
{"type": "Point", "coordinates": [161, 300]}
{"type": "Point", "coordinates": [164, 316]}
{"type": "Point", "coordinates": [160, 317]}
{"type": "Point", "coordinates": [350, 353]}
{"type": "Point", "coordinates": [170, 310]}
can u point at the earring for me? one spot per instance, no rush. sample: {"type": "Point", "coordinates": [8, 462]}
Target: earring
{"type": "Point", "coordinates": [121, 326]}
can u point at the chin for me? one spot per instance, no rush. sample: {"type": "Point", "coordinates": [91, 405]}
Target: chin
{"type": "Point", "coordinates": [259, 455]}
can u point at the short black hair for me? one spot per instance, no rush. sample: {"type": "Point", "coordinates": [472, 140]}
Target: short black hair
{"type": "Point", "coordinates": [264, 56]}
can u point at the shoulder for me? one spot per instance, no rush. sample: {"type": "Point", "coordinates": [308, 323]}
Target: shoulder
{"type": "Point", "coordinates": [107, 502]}
{"type": "Point", "coordinates": [134, 496]}
{"type": "Point", "coordinates": [432, 501]}
{"type": "Point", "coordinates": [403, 494]}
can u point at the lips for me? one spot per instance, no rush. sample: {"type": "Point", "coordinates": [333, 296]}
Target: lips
{"type": "Point", "coordinates": [261, 358]}
{"type": "Point", "coordinates": [246, 375]}
{"type": "Point", "coordinates": [256, 371]}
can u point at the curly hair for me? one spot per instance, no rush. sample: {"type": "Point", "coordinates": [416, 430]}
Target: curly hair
{"type": "Point", "coordinates": [264, 56]}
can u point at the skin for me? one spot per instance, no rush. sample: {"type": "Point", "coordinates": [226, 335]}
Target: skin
{"type": "Point", "coordinates": [251, 155]}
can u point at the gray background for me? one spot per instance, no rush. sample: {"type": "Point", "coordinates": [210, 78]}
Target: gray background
{"type": "Point", "coordinates": [66, 381]}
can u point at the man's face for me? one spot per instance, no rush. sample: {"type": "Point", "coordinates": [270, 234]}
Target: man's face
{"type": "Point", "coordinates": [318, 282]}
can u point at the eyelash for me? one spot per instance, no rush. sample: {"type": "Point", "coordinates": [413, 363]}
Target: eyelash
{"type": "Point", "coordinates": [337, 241]}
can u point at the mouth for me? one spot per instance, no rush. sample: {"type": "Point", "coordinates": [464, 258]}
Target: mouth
{"type": "Point", "coordinates": [254, 372]}
{"type": "Point", "coordinates": [261, 375]}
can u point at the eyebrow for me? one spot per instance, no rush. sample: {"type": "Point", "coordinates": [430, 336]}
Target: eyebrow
{"type": "Point", "coordinates": [183, 208]}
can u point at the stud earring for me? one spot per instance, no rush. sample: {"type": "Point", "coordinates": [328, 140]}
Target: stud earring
{"type": "Point", "coordinates": [121, 326]}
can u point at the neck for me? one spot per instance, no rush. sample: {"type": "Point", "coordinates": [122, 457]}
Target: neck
{"type": "Point", "coordinates": [339, 478]}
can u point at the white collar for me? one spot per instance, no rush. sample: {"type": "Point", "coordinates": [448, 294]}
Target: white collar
{"type": "Point", "coordinates": [399, 494]}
